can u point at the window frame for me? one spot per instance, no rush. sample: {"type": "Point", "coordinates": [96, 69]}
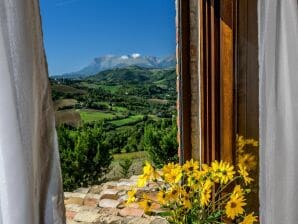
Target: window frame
{"type": "Point", "coordinates": [215, 77]}
{"type": "Point", "coordinates": [217, 68]}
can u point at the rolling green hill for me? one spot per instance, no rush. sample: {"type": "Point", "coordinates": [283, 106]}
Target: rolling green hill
{"type": "Point", "coordinates": [135, 75]}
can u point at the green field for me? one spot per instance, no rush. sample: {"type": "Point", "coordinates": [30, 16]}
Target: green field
{"type": "Point", "coordinates": [129, 120]}
{"type": "Point", "coordinates": [110, 88]}
{"type": "Point", "coordinates": [120, 109]}
{"type": "Point", "coordinates": [93, 115]}
{"type": "Point", "coordinates": [131, 155]}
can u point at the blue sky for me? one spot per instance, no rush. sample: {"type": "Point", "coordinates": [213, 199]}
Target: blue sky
{"type": "Point", "coordinates": [76, 31]}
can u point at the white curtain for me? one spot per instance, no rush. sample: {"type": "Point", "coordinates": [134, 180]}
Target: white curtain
{"type": "Point", "coordinates": [278, 59]}
{"type": "Point", "coordinates": [30, 179]}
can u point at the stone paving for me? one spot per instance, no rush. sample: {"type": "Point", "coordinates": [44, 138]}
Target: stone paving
{"type": "Point", "coordinates": [106, 204]}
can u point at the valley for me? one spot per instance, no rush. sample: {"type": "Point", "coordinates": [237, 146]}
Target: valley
{"type": "Point", "coordinates": [133, 110]}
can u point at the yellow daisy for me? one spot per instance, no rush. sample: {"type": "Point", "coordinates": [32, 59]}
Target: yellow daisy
{"type": "Point", "coordinates": [205, 193]}
{"type": "Point", "coordinates": [174, 175]}
{"type": "Point", "coordinates": [191, 166]}
{"type": "Point", "coordinates": [162, 197]}
{"type": "Point", "coordinates": [146, 203]}
{"type": "Point", "coordinates": [168, 167]}
{"type": "Point", "coordinates": [186, 201]}
{"type": "Point", "coordinates": [149, 173]}
{"type": "Point", "coordinates": [244, 174]}
{"type": "Point", "coordinates": [148, 169]}
{"type": "Point", "coordinates": [173, 193]}
{"type": "Point", "coordinates": [240, 143]}
{"type": "Point", "coordinates": [131, 196]}
{"type": "Point", "coordinates": [234, 206]}
{"type": "Point", "coordinates": [223, 172]}
{"type": "Point", "coordinates": [252, 142]}
{"type": "Point", "coordinates": [247, 160]}
{"type": "Point", "coordinates": [193, 180]}
{"type": "Point", "coordinates": [238, 191]}
{"type": "Point", "coordinates": [249, 219]}
{"type": "Point", "coordinates": [205, 169]}
{"type": "Point", "coordinates": [142, 180]}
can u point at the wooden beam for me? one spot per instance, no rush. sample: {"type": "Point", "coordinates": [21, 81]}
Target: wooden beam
{"type": "Point", "coordinates": [209, 79]}
{"type": "Point", "coordinates": [227, 93]}
{"type": "Point", "coordinates": [184, 88]}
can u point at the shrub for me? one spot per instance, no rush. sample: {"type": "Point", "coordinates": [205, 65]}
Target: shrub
{"type": "Point", "coordinates": [85, 156]}
{"type": "Point", "coordinates": [161, 143]}
{"type": "Point", "coordinates": [125, 166]}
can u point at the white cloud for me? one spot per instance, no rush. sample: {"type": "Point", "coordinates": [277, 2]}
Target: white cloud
{"type": "Point", "coordinates": [135, 55]}
{"type": "Point", "coordinates": [124, 57]}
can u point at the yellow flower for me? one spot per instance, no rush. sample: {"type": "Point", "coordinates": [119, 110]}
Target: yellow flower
{"type": "Point", "coordinates": [252, 142]}
{"type": "Point", "coordinates": [234, 206]}
{"type": "Point", "coordinates": [173, 193]}
{"type": "Point", "coordinates": [131, 196]}
{"type": "Point", "coordinates": [168, 167]}
{"type": "Point", "coordinates": [142, 180]}
{"type": "Point", "coordinates": [205, 168]}
{"type": "Point", "coordinates": [238, 191]}
{"type": "Point", "coordinates": [173, 175]}
{"type": "Point", "coordinates": [186, 201]}
{"type": "Point", "coordinates": [162, 197]}
{"type": "Point", "coordinates": [191, 166]}
{"type": "Point", "coordinates": [244, 174]}
{"type": "Point", "coordinates": [148, 169]}
{"type": "Point", "coordinates": [216, 166]}
{"type": "Point", "coordinates": [205, 193]}
{"type": "Point", "coordinates": [146, 203]}
{"type": "Point", "coordinates": [240, 143]}
{"type": "Point", "coordinates": [149, 173]}
{"type": "Point", "coordinates": [249, 219]}
{"type": "Point", "coordinates": [247, 160]}
{"type": "Point", "coordinates": [222, 171]}
{"type": "Point", "coordinates": [193, 180]}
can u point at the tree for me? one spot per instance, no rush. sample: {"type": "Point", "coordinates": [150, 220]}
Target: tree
{"type": "Point", "coordinates": [125, 166]}
{"type": "Point", "coordinates": [85, 156]}
{"type": "Point", "coordinates": [161, 143]}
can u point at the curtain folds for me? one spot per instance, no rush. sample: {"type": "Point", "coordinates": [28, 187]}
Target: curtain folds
{"type": "Point", "coordinates": [30, 177]}
{"type": "Point", "coordinates": [278, 60]}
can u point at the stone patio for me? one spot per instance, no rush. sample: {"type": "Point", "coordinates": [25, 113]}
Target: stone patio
{"type": "Point", "coordinates": [106, 204]}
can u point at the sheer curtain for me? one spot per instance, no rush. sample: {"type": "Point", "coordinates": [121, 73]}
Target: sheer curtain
{"type": "Point", "coordinates": [30, 180]}
{"type": "Point", "coordinates": [278, 57]}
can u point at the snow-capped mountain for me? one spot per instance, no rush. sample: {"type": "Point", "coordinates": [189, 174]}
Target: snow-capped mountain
{"type": "Point", "coordinates": [111, 61]}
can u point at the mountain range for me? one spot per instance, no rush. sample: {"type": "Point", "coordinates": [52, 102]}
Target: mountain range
{"type": "Point", "coordinates": [108, 62]}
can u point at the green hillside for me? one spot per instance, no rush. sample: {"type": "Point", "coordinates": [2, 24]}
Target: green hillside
{"type": "Point", "coordinates": [121, 104]}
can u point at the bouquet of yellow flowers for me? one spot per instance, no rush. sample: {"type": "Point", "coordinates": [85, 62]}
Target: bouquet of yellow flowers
{"type": "Point", "coordinates": [196, 194]}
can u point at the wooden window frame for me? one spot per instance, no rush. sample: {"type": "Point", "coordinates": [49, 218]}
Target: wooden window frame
{"type": "Point", "coordinates": [217, 30]}
{"type": "Point", "coordinates": [217, 47]}
{"type": "Point", "coordinates": [228, 79]}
